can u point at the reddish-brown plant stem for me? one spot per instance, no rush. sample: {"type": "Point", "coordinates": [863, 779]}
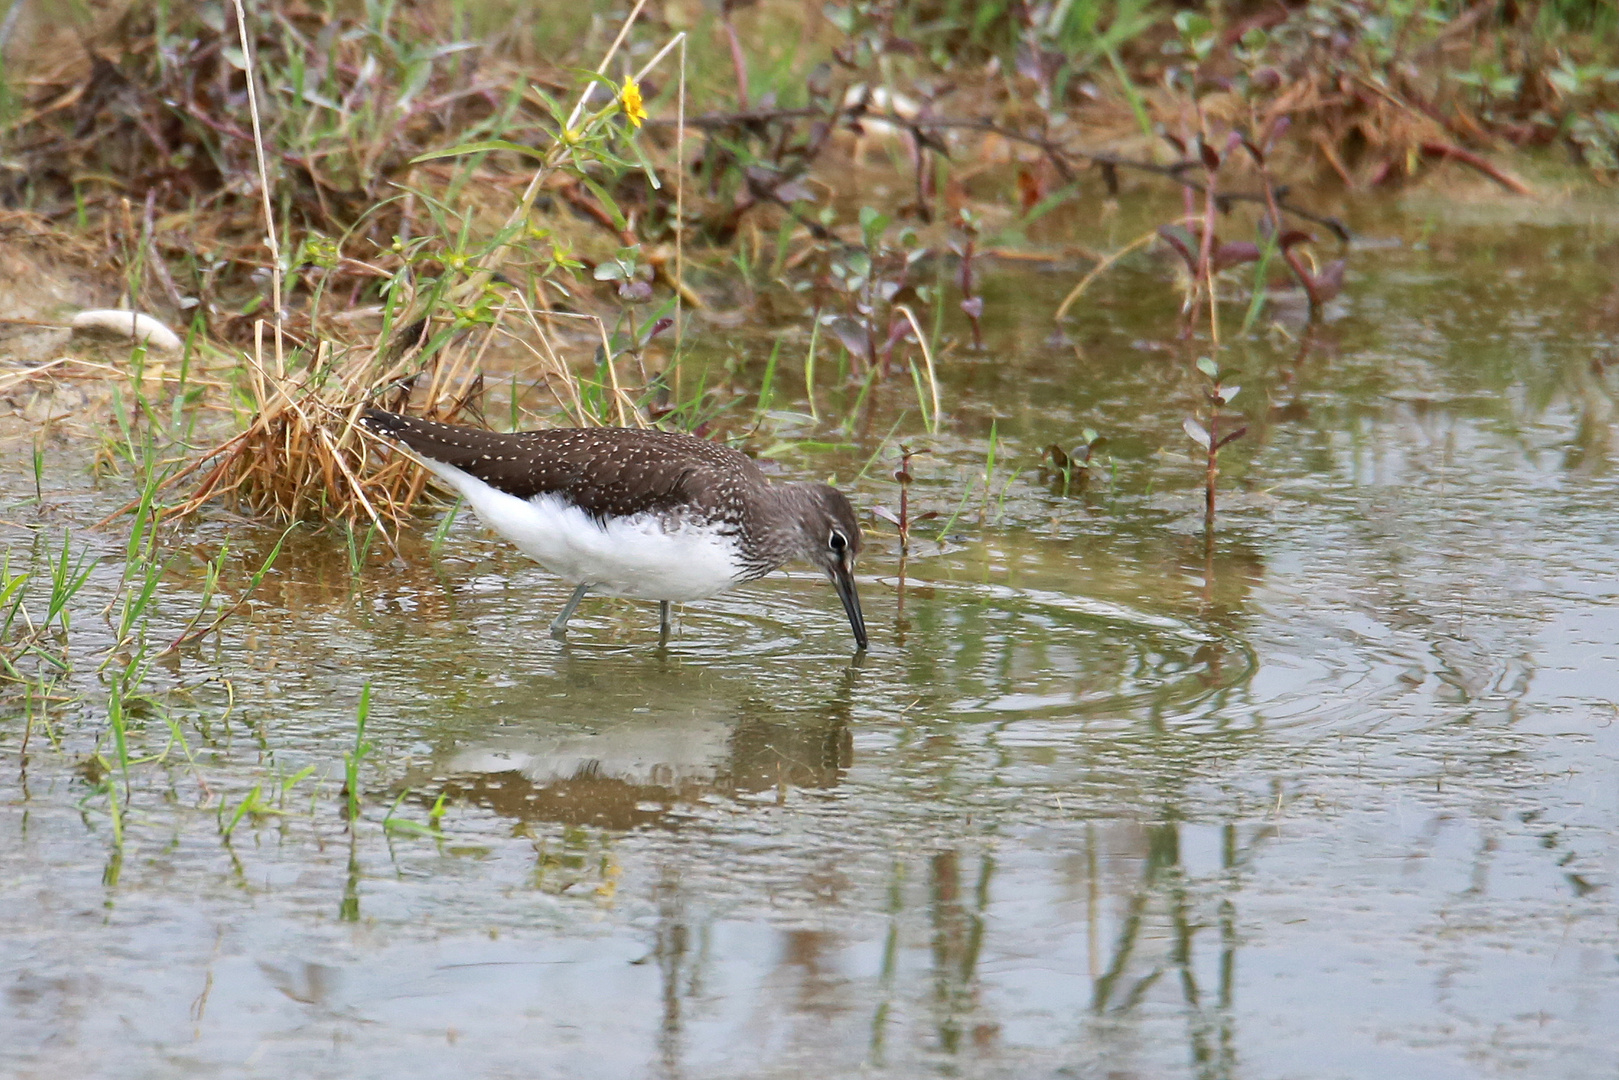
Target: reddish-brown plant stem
{"type": "Point", "coordinates": [1211, 470]}
{"type": "Point", "coordinates": [1305, 279]}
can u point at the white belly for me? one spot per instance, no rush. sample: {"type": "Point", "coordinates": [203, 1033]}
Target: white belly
{"type": "Point", "coordinates": [644, 557]}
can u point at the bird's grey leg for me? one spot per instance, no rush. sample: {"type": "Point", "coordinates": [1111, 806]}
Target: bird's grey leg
{"type": "Point", "coordinates": [559, 625]}
{"type": "Point", "coordinates": [663, 620]}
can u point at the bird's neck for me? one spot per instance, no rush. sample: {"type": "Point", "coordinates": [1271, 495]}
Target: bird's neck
{"type": "Point", "coordinates": [777, 523]}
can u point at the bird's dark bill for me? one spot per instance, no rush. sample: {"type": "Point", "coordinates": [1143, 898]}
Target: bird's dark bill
{"type": "Point", "coordinates": [843, 581]}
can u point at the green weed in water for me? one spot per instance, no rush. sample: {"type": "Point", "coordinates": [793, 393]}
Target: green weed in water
{"type": "Point", "coordinates": [767, 383]}
{"type": "Point", "coordinates": [291, 782]}
{"type": "Point", "coordinates": [1261, 290]}
{"type": "Point", "coordinates": [12, 591]}
{"type": "Point", "coordinates": [353, 758]}
{"type": "Point", "coordinates": [66, 581]}
{"type": "Point", "coordinates": [431, 830]}
{"type": "Point", "coordinates": [989, 467]}
{"type": "Point", "coordinates": [116, 722]}
{"type": "Point", "coordinates": [357, 547]}
{"type": "Point", "coordinates": [809, 365]}
{"type": "Point", "coordinates": [252, 803]}
{"type": "Point", "coordinates": [966, 494]}
{"type": "Point", "coordinates": [39, 471]}
{"type": "Point", "coordinates": [442, 532]}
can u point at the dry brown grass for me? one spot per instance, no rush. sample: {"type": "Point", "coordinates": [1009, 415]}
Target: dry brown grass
{"type": "Point", "coordinates": [303, 457]}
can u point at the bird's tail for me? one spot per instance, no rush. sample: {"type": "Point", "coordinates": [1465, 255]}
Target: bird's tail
{"type": "Point", "coordinates": [447, 443]}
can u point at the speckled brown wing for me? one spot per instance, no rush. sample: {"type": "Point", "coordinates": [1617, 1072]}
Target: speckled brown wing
{"type": "Point", "coordinates": [607, 472]}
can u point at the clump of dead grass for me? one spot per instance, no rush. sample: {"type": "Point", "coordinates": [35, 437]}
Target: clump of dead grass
{"type": "Point", "coordinates": [303, 457]}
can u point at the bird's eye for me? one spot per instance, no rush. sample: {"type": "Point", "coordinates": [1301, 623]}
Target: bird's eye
{"type": "Point", "coordinates": [837, 541]}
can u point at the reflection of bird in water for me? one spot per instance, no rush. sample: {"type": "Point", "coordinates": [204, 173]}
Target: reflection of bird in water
{"type": "Point", "coordinates": [649, 514]}
{"type": "Point", "coordinates": [635, 773]}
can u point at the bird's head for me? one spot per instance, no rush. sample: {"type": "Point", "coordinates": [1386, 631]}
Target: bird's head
{"type": "Point", "coordinates": [829, 537]}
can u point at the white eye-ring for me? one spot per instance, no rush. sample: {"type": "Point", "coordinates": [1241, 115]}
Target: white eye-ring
{"type": "Point", "coordinates": [837, 541]}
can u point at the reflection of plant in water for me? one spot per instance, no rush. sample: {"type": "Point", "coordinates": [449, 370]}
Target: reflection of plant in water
{"type": "Point", "coordinates": [1163, 878]}
{"type": "Point", "coordinates": [578, 856]}
{"type": "Point", "coordinates": [957, 912]}
{"type": "Point", "coordinates": [972, 304]}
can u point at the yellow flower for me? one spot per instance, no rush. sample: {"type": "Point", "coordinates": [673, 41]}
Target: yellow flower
{"type": "Point", "coordinates": [630, 98]}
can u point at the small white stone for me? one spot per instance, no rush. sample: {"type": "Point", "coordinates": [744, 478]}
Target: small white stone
{"type": "Point", "coordinates": [134, 325]}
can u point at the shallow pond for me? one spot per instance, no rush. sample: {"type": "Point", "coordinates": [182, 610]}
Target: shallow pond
{"type": "Point", "coordinates": [1335, 796]}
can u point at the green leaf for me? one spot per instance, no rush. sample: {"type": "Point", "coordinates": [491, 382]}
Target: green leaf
{"type": "Point", "coordinates": [596, 77]}
{"type": "Point", "coordinates": [606, 200]}
{"type": "Point", "coordinates": [405, 825]}
{"type": "Point", "coordinates": [12, 585]}
{"type": "Point", "coordinates": [1566, 81]}
{"type": "Point", "coordinates": [646, 166]}
{"type": "Point", "coordinates": [242, 809]}
{"type": "Point", "coordinates": [873, 222]}
{"type": "Point", "coordinates": [1196, 30]}
{"type": "Point", "coordinates": [1208, 367]}
{"type": "Point", "coordinates": [558, 111]}
{"type": "Point", "coordinates": [596, 150]}
{"type": "Point", "coordinates": [481, 148]}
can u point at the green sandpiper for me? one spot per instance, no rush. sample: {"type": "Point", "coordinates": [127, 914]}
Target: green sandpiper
{"type": "Point", "coordinates": [637, 512]}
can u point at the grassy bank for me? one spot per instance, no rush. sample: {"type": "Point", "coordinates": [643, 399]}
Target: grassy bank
{"type": "Point", "coordinates": [129, 125]}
